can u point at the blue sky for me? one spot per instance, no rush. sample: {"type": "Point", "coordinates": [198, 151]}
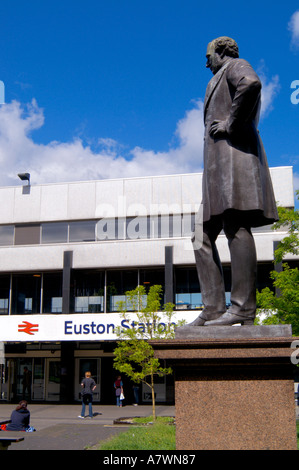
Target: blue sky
{"type": "Point", "coordinates": [114, 88]}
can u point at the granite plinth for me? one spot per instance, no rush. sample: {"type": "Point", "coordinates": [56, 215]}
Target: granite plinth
{"type": "Point", "coordinates": [233, 391]}
{"type": "Point", "coordinates": [236, 331]}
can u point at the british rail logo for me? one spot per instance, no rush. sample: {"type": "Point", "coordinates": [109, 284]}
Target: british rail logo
{"type": "Point", "coordinates": [27, 327]}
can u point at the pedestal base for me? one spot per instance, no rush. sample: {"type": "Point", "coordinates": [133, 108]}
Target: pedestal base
{"type": "Point", "coordinates": [231, 392]}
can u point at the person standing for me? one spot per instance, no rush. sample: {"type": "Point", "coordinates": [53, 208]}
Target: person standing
{"type": "Point", "coordinates": [237, 191]}
{"type": "Point", "coordinates": [119, 390]}
{"type": "Point", "coordinates": [88, 386]}
{"type": "Point", "coordinates": [27, 380]}
{"type": "Point", "coordinates": [136, 394]}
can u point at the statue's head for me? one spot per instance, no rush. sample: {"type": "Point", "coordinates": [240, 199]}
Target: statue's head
{"type": "Point", "coordinates": [219, 50]}
{"type": "Point", "coordinates": [226, 46]}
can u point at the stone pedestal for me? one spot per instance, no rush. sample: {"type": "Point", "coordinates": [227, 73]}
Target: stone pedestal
{"type": "Point", "coordinates": [234, 387]}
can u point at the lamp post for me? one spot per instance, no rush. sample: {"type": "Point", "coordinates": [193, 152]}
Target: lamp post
{"type": "Point", "coordinates": [24, 177]}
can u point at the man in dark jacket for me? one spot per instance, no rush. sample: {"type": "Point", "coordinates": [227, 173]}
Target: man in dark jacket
{"type": "Point", "coordinates": [237, 188]}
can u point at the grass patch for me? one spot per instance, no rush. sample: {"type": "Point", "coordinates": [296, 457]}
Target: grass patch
{"type": "Point", "coordinates": [157, 436]}
{"type": "Point", "coordinates": [149, 419]}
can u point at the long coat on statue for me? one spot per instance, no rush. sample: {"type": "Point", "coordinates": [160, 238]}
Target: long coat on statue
{"type": "Point", "coordinates": [236, 173]}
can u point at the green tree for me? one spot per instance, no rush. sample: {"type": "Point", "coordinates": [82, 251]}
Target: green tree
{"type": "Point", "coordinates": [283, 306]}
{"type": "Point", "coordinates": [134, 355]}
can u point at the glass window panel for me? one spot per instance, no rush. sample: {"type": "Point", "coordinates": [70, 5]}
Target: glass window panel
{"type": "Point", "coordinates": [87, 291]}
{"type": "Point", "coordinates": [164, 226]}
{"type": "Point", "coordinates": [6, 235]}
{"type": "Point", "coordinates": [118, 283]}
{"type": "Point", "coordinates": [154, 226]}
{"type": "Point", "coordinates": [188, 221]}
{"type": "Point", "coordinates": [4, 294]}
{"type": "Point", "coordinates": [151, 277]}
{"type": "Point", "coordinates": [52, 292]}
{"type": "Point", "coordinates": [137, 227]}
{"type": "Point", "coordinates": [187, 289]}
{"type": "Point", "coordinates": [27, 234]}
{"type": "Point", "coordinates": [121, 228]}
{"type": "Point", "coordinates": [106, 229]}
{"type": "Point", "coordinates": [26, 292]}
{"type": "Point", "coordinates": [175, 226]}
{"type": "Point", "coordinates": [83, 231]}
{"type": "Point", "coordinates": [55, 232]}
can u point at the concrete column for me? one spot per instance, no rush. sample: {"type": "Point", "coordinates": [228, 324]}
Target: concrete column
{"type": "Point", "coordinates": [169, 285]}
{"type": "Point", "coordinates": [66, 280]}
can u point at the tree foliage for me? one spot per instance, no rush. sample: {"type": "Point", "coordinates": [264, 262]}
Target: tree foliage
{"type": "Point", "coordinates": [134, 355]}
{"type": "Point", "coordinates": [282, 306]}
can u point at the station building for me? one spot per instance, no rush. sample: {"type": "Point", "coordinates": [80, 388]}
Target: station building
{"type": "Point", "coordinates": [68, 254]}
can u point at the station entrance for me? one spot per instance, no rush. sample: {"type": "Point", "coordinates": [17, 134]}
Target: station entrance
{"type": "Point", "coordinates": [38, 372]}
{"type": "Point", "coordinates": [32, 379]}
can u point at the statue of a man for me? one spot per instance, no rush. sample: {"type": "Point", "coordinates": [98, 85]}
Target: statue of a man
{"type": "Point", "coordinates": [237, 188]}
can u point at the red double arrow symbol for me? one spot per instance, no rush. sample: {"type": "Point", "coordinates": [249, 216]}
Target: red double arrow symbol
{"type": "Point", "coordinates": [28, 328]}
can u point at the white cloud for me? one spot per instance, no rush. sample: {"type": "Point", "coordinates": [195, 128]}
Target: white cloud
{"type": "Point", "coordinates": [270, 89]}
{"type": "Point", "coordinates": [293, 27]}
{"type": "Point", "coordinates": [296, 181]}
{"type": "Point", "coordinates": [76, 160]}
{"type": "Point", "coordinates": [73, 161]}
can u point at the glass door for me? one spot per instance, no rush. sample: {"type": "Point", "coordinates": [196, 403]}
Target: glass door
{"type": "Point", "coordinates": [53, 379]}
{"type": "Point", "coordinates": [38, 386]}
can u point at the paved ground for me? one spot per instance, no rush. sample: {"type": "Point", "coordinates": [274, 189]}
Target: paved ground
{"type": "Point", "coordinates": [59, 428]}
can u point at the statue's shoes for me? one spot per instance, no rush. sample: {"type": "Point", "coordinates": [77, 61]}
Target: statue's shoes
{"type": "Point", "coordinates": [201, 320]}
{"type": "Point", "coordinates": [228, 319]}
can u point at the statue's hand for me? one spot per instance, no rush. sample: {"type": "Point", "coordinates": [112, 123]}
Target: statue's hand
{"type": "Point", "coordinates": [218, 129]}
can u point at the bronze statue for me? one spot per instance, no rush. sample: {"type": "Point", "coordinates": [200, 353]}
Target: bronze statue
{"type": "Point", "coordinates": [237, 188]}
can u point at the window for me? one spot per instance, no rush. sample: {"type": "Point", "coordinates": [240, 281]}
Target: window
{"type": "Point", "coordinates": [52, 292]}
{"type": "Point", "coordinates": [118, 283]}
{"type": "Point", "coordinates": [27, 234]}
{"type": "Point", "coordinates": [4, 294]}
{"type": "Point", "coordinates": [6, 235]}
{"type": "Point", "coordinates": [120, 228]}
{"type": "Point", "coordinates": [137, 227]}
{"type": "Point", "coordinates": [83, 231]}
{"type": "Point", "coordinates": [26, 291]}
{"type": "Point", "coordinates": [187, 291]}
{"type": "Point", "coordinates": [87, 291]}
{"type": "Point", "coordinates": [151, 277]}
{"type": "Point", "coordinates": [55, 232]}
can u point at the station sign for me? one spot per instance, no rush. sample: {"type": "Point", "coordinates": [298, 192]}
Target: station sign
{"type": "Point", "coordinates": [74, 327]}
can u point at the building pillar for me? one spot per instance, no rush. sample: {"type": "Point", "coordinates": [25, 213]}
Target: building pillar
{"type": "Point", "coordinates": [169, 285]}
{"type": "Point", "coordinates": [66, 280]}
{"type": "Point", "coordinates": [67, 371]}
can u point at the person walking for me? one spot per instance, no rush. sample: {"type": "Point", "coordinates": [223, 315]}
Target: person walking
{"type": "Point", "coordinates": [88, 386]}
